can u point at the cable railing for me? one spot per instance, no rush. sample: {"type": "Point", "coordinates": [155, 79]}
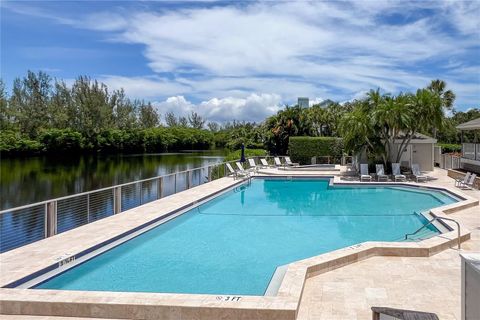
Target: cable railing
{"type": "Point", "coordinates": [29, 223]}
{"type": "Point", "coordinates": [26, 224]}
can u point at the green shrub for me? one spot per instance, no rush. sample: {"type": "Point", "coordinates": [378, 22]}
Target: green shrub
{"type": "Point", "coordinates": [302, 149]}
{"type": "Point", "coordinates": [13, 143]}
{"type": "Point", "coordinates": [450, 147]}
{"type": "Point", "coordinates": [59, 140]}
{"type": "Point", "coordinates": [235, 155]}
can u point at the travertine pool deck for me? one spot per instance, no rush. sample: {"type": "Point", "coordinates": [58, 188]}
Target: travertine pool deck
{"type": "Point", "coordinates": [430, 284]}
{"type": "Point", "coordinates": [343, 284]}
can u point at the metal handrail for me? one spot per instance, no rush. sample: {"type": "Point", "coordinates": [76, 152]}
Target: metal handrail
{"type": "Point", "coordinates": [110, 188]}
{"type": "Point", "coordinates": [110, 202]}
{"type": "Point", "coordinates": [433, 220]}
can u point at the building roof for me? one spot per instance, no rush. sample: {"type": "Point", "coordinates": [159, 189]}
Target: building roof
{"type": "Point", "coordinates": [470, 125]}
{"type": "Point", "coordinates": [417, 138]}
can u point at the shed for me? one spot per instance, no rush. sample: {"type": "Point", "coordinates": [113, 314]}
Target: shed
{"type": "Point", "coordinates": [420, 150]}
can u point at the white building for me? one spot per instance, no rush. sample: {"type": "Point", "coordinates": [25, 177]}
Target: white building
{"type": "Point", "coordinates": [420, 150]}
{"type": "Point", "coordinates": [303, 102]}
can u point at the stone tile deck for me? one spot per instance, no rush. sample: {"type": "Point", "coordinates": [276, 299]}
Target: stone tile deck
{"type": "Point", "coordinates": [422, 283]}
{"type": "Point", "coordinates": [430, 284]}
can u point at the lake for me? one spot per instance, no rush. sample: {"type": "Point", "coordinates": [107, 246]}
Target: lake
{"type": "Point", "coordinates": [32, 179]}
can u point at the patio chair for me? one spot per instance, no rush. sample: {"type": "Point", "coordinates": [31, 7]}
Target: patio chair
{"type": "Point", "coordinates": [417, 173]}
{"type": "Point", "coordinates": [277, 161]}
{"type": "Point", "coordinates": [470, 183]}
{"type": "Point", "coordinates": [396, 173]}
{"type": "Point", "coordinates": [253, 165]}
{"type": "Point", "coordinates": [241, 170]}
{"type": "Point", "coordinates": [236, 173]}
{"type": "Point", "coordinates": [264, 163]}
{"type": "Point", "coordinates": [380, 172]}
{"type": "Point", "coordinates": [464, 180]}
{"type": "Point", "coordinates": [289, 162]}
{"type": "Point", "coordinates": [364, 172]}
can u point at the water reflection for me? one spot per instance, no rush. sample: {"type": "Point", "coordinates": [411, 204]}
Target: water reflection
{"type": "Point", "coordinates": [32, 179]}
{"type": "Point", "coordinates": [35, 179]}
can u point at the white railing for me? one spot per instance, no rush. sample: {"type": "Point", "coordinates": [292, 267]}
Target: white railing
{"type": "Point", "coordinates": [448, 161]}
{"type": "Point", "coordinates": [29, 223]}
{"type": "Point", "coordinates": [471, 151]}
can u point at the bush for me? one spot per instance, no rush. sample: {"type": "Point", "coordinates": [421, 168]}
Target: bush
{"type": "Point", "coordinates": [58, 140]}
{"type": "Point", "coordinates": [13, 143]}
{"type": "Point", "coordinates": [235, 155]}
{"type": "Point", "coordinates": [302, 149]}
{"type": "Point", "coordinates": [111, 140]}
{"type": "Point", "coordinates": [450, 147]}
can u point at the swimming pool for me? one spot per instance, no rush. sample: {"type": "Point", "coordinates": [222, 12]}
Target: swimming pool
{"type": "Point", "coordinates": [233, 243]}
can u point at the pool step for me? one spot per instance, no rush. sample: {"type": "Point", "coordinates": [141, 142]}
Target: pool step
{"type": "Point", "coordinates": [423, 234]}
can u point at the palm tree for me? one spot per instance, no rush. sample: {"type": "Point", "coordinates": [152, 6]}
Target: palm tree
{"type": "Point", "coordinates": [447, 97]}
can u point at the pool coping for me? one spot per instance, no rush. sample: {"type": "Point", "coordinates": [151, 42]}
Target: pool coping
{"type": "Point", "coordinates": [282, 306]}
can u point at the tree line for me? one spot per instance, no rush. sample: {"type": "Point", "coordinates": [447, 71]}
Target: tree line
{"type": "Point", "coordinates": [43, 114]}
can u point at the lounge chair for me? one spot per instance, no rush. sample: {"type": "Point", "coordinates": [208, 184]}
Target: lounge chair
{"type": "Point", "coordinates": [237, 173]}
{"type": "Point", "coordinates": [417, 173]}
{"type": "Point", "coordinates": [264, 163]}
{"type": "Point", "coordinates": [380, 172]}
{"type": "Point", "coordinates": [464, 180]}
{"type": "Point", "coordinates": [396, 173]}
{"type": "Point", "coordinates": [253, 165]}
{"type": "Point", "coordinates": [277, 161]}
{"type": "Point", "coordinates": [470, 183]}
{"type": "Point", "coordinates": [289, 162]}
{"type": "Point", "coordinates": [364, 172]}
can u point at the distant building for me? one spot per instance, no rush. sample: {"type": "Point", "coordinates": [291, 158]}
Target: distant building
{"type": "Point", "coordinates": [303, 102]}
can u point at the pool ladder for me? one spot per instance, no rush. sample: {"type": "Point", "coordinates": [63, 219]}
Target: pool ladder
{"type": "Point", "coordinates": [433, 220]}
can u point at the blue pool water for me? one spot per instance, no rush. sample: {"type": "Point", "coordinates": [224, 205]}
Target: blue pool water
{"type": "Point", "coordinates": [233, 243]}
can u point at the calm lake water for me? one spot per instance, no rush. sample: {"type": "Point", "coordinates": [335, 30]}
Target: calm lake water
{"type": "Point", "coordinates": [31, 179]}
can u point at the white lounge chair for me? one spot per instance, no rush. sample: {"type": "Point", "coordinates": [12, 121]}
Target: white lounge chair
{"type": "Point", "coordinates": [277, 161]}
{"type": "Point", "coordinates": [464, 180]}
{"type": "Point", "coordinates": [237, 173]}
{"type": "Point", "coordinates": [396, 173]}
{"type": "Point", "coordinates": [470, 183]}
{"type": "Point", "coordinates": [240, 167]}
{"type": "Point", "coordinates": [289, 162]}
{"type": "Point", "coordinates": [364, 172]}
{"type": "Point", "coordinates": [253, 165]}
{"type": "Point", "coordinates": [381, 172]}
{"type": "Point", "coordinates": [417, 173]}
{"type": "Point", "coordinates": [264, 163]}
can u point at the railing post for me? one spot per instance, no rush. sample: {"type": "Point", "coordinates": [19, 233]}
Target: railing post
{"type": "Point", "coordinates": [175, 183]}
{"type": "Point", "coordinates": [117, 200]}
{"type": "Point", "coordinates": [224, 170]}
{"type": "Point", "coordinates": [50, 219]}
{"type": "Point", "coordinates": [209, 169]}
{"type": "Point", "coordinates": [159, 188]}
{"type": "Point", "coordinates": [189, 178]}
{"type": "Point", "coordinates": [88, 208]}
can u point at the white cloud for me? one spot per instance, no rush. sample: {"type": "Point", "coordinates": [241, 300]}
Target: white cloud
{"type": "Point", "coordinates": [337, 50]}
{"type": "Point", "coordinates": [144, 87]}
{"type": "Point", "coordinates": [255, 107]}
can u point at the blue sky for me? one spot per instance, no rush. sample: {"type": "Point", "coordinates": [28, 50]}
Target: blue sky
{"type": "Point", "coordinates": [244, 60]}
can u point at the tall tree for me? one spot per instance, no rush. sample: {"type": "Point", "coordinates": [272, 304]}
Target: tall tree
{"type": "Point", "coordinates": [61, 109]}
{"type": "Point", "coordinates": [447, 97]}
{"type": "Point", "coordinates": [29, 100]}
{"type": "Point", "coordinates": [94, 111]}
{"type": "Point", "coordinates": [124, 116]}
{"type": "Point", "coordinates": [148, 117]}
{"type": "Point", "coordinates": [171, 119]}
{"type": "Point", "coordinates": [6, 114]}
{"type": "Point", "coordinates": [183, 122]}
{"type": "Point", "coordinates": [196, 121]}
